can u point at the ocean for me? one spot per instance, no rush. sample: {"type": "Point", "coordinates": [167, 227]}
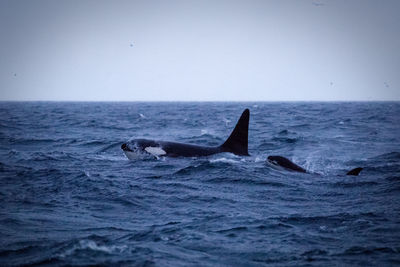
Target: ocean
{"type": "Point", "coordinates": [69, 195]}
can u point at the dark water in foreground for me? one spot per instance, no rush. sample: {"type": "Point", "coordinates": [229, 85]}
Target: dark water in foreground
{"type": "Point", "coordinates": [70, 197]}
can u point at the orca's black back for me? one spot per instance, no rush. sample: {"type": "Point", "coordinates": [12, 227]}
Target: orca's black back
{"type": "Point", "coordinates": [187, 150]}
{"type": "Point", "coordinates": [284, 162]}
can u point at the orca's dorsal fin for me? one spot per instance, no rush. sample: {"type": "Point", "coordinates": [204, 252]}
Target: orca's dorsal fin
{"type": "Point", "coordinates": [237, 143]}
{"type": "Point", "coordinates": [354, 172]}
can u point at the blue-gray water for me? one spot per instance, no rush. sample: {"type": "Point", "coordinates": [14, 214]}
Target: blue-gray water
{"type": "Point", "coordinates": [69, 196]}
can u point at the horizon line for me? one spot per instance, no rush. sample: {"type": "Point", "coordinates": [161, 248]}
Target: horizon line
{"type": "Point", "coordinates": [192, 101]}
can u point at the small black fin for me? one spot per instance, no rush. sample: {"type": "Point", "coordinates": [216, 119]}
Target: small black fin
{"type": "Point", "coordinates": [355, 171]}
{"type": "Point", "coordinates": [237, 143]}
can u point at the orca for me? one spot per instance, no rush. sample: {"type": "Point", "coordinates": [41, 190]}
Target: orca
{"type": "Point", "coordinates": [237, 143]}
{"type": "Point", "coordinates": [285, 163]}
{"type": "Point", "coordinates": [279, 161]}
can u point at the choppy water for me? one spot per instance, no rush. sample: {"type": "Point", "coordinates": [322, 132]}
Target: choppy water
{"type": "Point", "coordinates": [70, 197]}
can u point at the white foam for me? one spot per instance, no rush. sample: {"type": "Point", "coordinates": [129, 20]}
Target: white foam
{"type": "Point", "coordinates": [108, 157]}
{"type": "Point", "coordinates": [258, 159]}
{"type": "Point", "coordinates": [227, 121]}
{"type": "Point", "coordinates": [92, 245]}
{"type": "Point", "coordinates": [225, 160]}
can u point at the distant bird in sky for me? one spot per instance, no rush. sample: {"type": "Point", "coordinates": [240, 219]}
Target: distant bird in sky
{"type": "Point", "coordinates": [318, 4]}
{"type": "Point", "coordinates": [386, 84]}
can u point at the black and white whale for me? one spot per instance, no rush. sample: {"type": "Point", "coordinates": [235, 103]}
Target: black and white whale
{"type": "Point", "coordinates": [237, 143]}
{"type": "Point", "coordinates": [279, 161]}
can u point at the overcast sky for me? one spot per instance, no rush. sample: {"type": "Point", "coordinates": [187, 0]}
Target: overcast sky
{"type": "Point", "coordinates": [200, 50]}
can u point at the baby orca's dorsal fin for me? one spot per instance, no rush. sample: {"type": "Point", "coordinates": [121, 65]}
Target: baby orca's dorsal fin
{"type": "Point", "coordinates": [354, 172]}
{"type": "Point", "coordinates": [237, 143]}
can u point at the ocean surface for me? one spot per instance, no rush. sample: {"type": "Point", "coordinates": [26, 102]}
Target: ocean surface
{"type": "Point", "coordinates": [69, 196]}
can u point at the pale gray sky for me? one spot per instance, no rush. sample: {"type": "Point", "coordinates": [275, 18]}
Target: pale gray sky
{"type": "Point", "coordinates": [200, 50]}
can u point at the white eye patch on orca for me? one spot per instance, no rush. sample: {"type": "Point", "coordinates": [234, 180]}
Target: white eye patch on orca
{"type": "Point", "coordinates": [156, 151]}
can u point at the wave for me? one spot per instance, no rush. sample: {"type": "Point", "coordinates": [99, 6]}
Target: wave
{"type": "Point", "coordinates": [391, 157]}
{"type": "Point", "coordinates": [267, 146]}
{"type": "Point", "coordinates": [32, 141]}
{"type": "Point", "coordinates": [333, 220]}
{"type": "Point", "coordinates": [285, 140]}
{"type": "Point", "coordinates": [232, 232]}
{"type": "Point", "coordinates": [94, 143]}
{"type": "Point", "coordinates": [284, 132]}
{"type": "Point", "coordinates": [204, 165]}
{"type": "Point", "coordinates": [314, 252]}
{"type": "Point", "coordinates": [356, 184]}
{"type": "Point", "coordinates": [246, 181]}
{"type": "Point", "coordinates": [369, 250]}
{"type": "Point", "coordinates": [393, 178]}
{"type": "Point", "coordinates": [9, 126]}
{"type": "Point", "coordinates": [225, 160]}
{"type": "Point", "coordinates": [18, 251]}
{"type": "Point", "coordinates": [91, 245]}
{"type": "Point", "coordinates": [47, 156]}
{"type": "Point", "coordinates": [108, 147]}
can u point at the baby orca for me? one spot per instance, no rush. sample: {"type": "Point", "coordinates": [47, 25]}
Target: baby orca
{"type": "Point", "coordinates": [237, 143]}
{"type": "Point", "coordinates": [283, 162]}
